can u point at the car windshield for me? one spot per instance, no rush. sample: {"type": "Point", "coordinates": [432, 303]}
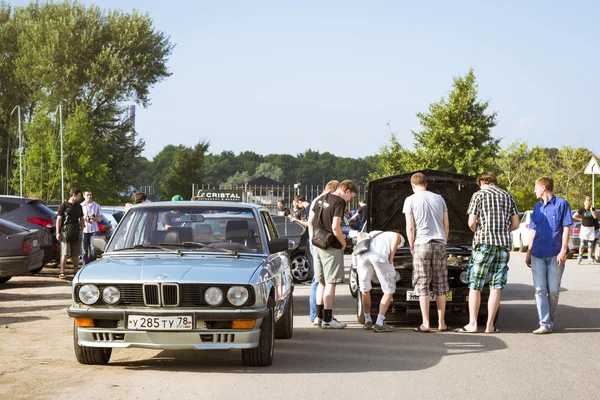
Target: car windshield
{"type": "Point", "coordinates": [225, 229]}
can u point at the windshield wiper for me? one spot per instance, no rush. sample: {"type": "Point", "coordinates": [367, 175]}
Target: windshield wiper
{"type": "Point", "coordinates": [146, 247]}
{"type": "Point", "coordinates": [202, 246]}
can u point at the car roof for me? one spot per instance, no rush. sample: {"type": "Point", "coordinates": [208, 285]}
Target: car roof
{"type": "Point", "coordinates": [210, 204]}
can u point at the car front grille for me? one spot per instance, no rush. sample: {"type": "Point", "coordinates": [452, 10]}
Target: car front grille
{"type": "Point", "coordinates": [167, 295]}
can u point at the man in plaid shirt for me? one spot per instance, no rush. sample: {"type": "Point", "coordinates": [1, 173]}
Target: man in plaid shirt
{"type": "Point", "coordinates": [492, 216]}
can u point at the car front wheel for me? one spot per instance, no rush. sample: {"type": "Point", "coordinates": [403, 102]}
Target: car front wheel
{"type": "Point", "coordinates": [597, 251]}
{"type": "Point", "coordinates": [262, 356]}
{"type": "Point", "coordinates": [90, 355]}
{"type": "Point", "coordinates": [284, 328]}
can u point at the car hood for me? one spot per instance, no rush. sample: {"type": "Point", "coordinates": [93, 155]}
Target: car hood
{"type": "Point", "coordinates": [185, 269]}
{"type": "Point", "coordinates": [387, 195]}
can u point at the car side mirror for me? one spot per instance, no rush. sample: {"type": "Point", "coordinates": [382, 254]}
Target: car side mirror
{"type": "Point", "coordinates": [291, 244]}
{"type": "Point", "coordinates": [99, 243]}
{"type": "Point", "coordinates": [278, 245]}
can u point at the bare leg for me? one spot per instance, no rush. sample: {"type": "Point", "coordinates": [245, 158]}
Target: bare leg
{"type": "Point", "coordinates": [320, 290]}
{"type": "Point", "coordinates": [366, 300]}
{"type": "Point", "coordinates": [474, 303]}
{"type": "Point", "coordinates": [440, 301]}
{"type": "Point", "coordinates": [424, 303]}
{"type": "Point", "coordinates": [63, 263]}
{"type": "Point", "coordinates": [493, 304]}
{"type": "Point", "coordinates": [328, 296]}
{"type": "Point", "coordinates": [384, 304]}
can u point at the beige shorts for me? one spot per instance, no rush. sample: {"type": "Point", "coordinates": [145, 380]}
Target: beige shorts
{"type": "Point", "coordinates": [72, 249]}
{"type": "Point", "coordinates": [329, 265]}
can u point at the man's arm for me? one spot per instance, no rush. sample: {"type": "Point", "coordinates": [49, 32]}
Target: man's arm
{"type": "Point", "coordinates": [473, 222]}
{"type": "Point", "coordinates": [58, 225]}
{"type": "Point", "coordinates": [446, 225]}
{"type": "Point", "coordinates": [410, 230]}
{"type": "Point", "coordinates": [562, 256]}
{"type": "Point", "coordinates": [336, 225]}
{"type": "Point", "coordinates": [514, 222]}
{"type": "Point", "coordinates": [311, 217]}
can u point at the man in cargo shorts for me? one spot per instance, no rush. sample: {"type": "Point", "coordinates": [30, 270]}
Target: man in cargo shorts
{"type": "Point", "coordinates": [427, 230]}
{"type": "Point", "coordinates": [380, 260]}
{"type": "Point", "coordinates": [492, 216]}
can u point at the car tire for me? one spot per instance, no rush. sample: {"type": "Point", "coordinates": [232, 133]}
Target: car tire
{"type": "Point", "coordinates": [5, 279]}
{"type": "Point", "coordinates": [597, 251]}
{"type": "Point", "coordinates": [90, 355]}
{"type": "Point", "coordinates": [284, 328]}
{"type": "Point", "coordinates": [262, 356]}
{"type": "Point", "coordinates": [300, 268]}
{"type": "Point", "coordinates": [353, 283]}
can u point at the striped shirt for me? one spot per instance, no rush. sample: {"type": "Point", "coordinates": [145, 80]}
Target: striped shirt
{"type": "Point", "coordinates": [90, 209]}
{"type": "Point", "coordinates": [494, 207]}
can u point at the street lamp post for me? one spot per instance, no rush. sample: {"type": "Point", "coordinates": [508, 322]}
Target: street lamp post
{"type": "Point", "coordinates": [18, 108]}
{"type": "Point", "coordinates": [62, 162]}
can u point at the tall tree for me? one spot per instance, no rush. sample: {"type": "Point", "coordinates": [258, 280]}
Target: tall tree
{"type": "Point", "coordinates": [270, 171]}
{"type": "Point", "coordinates": [91, 62]}
{"type": "Point", "coordinates": [187, 168]}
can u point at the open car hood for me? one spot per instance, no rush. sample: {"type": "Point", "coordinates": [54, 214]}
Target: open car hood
{"type": "Point", "coordinates": [386, 199]}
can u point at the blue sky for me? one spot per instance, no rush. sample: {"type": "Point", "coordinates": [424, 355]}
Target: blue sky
{"type": "Point", "coordinates": [282, 77]}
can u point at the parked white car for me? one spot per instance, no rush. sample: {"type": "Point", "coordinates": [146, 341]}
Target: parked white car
{"type": "Point", "coordinates": [520, 236]}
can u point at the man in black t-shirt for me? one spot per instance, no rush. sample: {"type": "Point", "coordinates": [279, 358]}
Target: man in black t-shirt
{"type": "Point", "coordinates": [361, 214]}
{"type": "Point", "coordinates": [587, 234]}
{"type": "Point", "coordinates": [69, 213]}
{"type": "Point", "coordinates": [329, 263]}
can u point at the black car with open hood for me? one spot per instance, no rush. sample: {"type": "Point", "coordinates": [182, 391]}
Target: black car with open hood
{"type": "Point", "coordinates": [385, 201]}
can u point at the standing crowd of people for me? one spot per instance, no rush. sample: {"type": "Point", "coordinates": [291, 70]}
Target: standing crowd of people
{"type": "Point", "coordinates": [492, 216]}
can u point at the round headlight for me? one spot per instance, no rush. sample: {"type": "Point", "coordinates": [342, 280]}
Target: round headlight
{"type": "Point", "coordinates": [213, 296]}
{"type": "Point", "coordinates": [463, 277]}
{"type": "Point", "coordinates": [398, 277]}
{"type": "Point", "coordinates": [374, 279]}
{"type": "Point", "coordinates": [111, 295]}
{"type": "Point", "coordinates": [237, 295]}
{"type": "Point", "coordinates": [89, 294]}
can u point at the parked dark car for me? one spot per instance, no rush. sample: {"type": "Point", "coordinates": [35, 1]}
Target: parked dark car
{"type": "Point", "coordinates": [302, 270]}
{"type": "Point", "coordinates": [20, 251]}
{"type": "Point", "coordinates": [385, 202]}
{"type": "Point", "coordinates": [33, 214]}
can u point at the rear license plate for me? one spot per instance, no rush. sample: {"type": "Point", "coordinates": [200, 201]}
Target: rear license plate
{"type": "Point", "coordinates": [35, 243]}
{"type": "Point", "coordinates": [411, 297]}
{"type": "Point", "coordinates": [149, 323]}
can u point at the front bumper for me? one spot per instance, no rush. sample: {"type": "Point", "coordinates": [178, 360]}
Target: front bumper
{"type": "Point", "coordinates": [199, 338]}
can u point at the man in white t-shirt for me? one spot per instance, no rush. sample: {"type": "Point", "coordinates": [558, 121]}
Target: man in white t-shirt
{"type": "Point", "coordinates": [379, 259]}
{"type": "Point", "coordinates": [427, 230]}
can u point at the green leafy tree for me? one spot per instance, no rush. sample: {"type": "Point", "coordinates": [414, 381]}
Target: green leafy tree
{"type": "Point", "coordinates": [270, 171]}
{"type": "Point", "coordinates": [237, 179]}
{"type": "Point", "coordinates": [219, 167]}
{"type": "Point", "coordinates": [187, 168]}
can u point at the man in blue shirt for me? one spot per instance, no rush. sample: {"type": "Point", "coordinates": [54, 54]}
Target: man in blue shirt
{"type": "Point", "coordinates": [551, 225]}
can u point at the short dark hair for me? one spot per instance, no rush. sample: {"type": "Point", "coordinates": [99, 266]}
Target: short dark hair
{"type": "Point", "coordinates": [139, 197]}
{"type": "Point", "coordinates": [87, 191]}
{"type": "Point", "coordinates": [300, 198]}
{"type": "Point", "coordinates": [346, 185]}
{"type": "Point", "coordinates": [487, 178]}
{"type": "Point", "coordinates": [74, 191]}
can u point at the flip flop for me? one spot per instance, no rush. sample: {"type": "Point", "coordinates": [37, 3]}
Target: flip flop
{"type": "Point", "coordinates": [421, 330]}
{"type": "Point", "coordinates": [494, 331]}
{"type": "Point", "coordinates": [463, 330]}
{"type": "Point", "coordinates": [448, 329]}
{"type": "Point", "coordinates": [61, 276]}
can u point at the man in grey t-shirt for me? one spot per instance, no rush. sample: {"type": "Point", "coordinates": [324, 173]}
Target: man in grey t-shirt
{"type": "Point", "coordinates": [427, 229]}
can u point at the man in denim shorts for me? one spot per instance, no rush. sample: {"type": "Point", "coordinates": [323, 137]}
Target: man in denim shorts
{"type": "Point", "coordinates": [492, 216]}
{"type": "Point", "coordinates": [427, 229]}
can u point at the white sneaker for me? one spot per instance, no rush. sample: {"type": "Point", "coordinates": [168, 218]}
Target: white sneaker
{"type": "Point", "coordinates": [317, 322]}
{"type": "Point", "coordinates": [333, 324]}
{"type": "Point", "coordinates": [542, 330]}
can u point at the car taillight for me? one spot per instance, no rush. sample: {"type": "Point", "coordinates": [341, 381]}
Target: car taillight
{"type": "Point", "coordinates": [27, 246]}
{"type": "Point", "coordinates": [45, 222]}
{"type": "Point", "coordinates": [103, 228]}
{"type": "Point", "coordinates": [576, 231]}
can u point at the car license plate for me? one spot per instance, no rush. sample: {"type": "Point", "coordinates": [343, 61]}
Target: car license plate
{"type": "Point", "coordinates": [149, 323]}
{"type": "Point", "coordinates": [411, 297]}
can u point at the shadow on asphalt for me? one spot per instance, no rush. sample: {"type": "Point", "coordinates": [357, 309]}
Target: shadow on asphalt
{"type": "Point", "coordinates": [4, 296]}
{"type": "Point", "coordinates": [34, 283]}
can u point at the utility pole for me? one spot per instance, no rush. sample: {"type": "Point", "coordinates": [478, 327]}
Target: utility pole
{"type": "Point", "coordinates": [62, 162]}
{"type": "Point", "coordinates": [18, 108]}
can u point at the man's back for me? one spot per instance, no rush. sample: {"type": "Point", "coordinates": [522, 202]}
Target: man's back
{"type": "Point", "coordinates": [494, 208]}
{"type": "Point", "coordinates": [428, 211]}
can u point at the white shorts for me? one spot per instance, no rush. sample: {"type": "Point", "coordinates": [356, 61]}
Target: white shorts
{"type": "Point", "coordinates": [587, 233]}
{"type": "Point", "coordinates": [385, 272]}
